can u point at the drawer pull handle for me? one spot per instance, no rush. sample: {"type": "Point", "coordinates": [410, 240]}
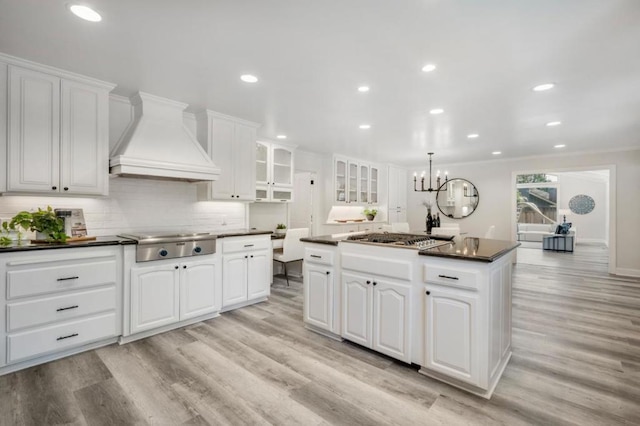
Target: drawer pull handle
{"type": "Point", "coordinates": [316, 256]}
{"type": "Point", "coordinates": [248, 245]}
{"type": "Point", "coordinates": [67, 308]}
{"type": "Point", "coordinates": [448, 277]}
{"type": "Point", "coordinates": [68, 278]}
{"type": "Point", "coordinates": [67, 337]}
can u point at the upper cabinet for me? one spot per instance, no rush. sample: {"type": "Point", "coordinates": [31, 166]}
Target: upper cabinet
{"type": "Point", "coordinates": [57, 133]}
{"type": "Point", "coordinates": [231, 143]}
{"type": "Point", "coordinates": [274, 172]}
{"type": "Point", "coordinates": [355, 182]}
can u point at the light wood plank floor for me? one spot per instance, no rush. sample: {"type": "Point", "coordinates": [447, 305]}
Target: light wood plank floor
{"type": "Point", "coordinates": [576, 361]}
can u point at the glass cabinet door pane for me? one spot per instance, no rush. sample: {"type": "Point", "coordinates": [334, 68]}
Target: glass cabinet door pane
{"type": "Point", "coordinates": [341, 181]}
{"type": "Point", "coordinates": [282, 195]}
{"type": "Point", "coordinates": [364, 184]}
{"type": "Point", "coordinates": [262, 154]}
{"type": "Point", "coordinates": [282, 166]}
{"type": "Point", "coordinates": [353, 183]}
{"type": "Point", "coordinates": [373, 185]}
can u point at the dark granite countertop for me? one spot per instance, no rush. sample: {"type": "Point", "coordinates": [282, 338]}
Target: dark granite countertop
{"type": "Point", "coordinates": [25, 245]}
{"type": "Point", "coordinates": [469, 248]}
{"type": "Point", "coordinates": [324, 239]}
{"type": "Point", "coordinates": [241, 232]}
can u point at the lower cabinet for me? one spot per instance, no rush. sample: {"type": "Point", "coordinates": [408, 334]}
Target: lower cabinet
{"type": "Point", "coordinates": [246, 263]}
{"type": "Point", "coordinates": [318, 296]}
{"type": "Point", "coordinates": [451, 346]}
{"type": "Point", "coordinates": [172, 292]}
{"type": "Point", "coordinates": [377, 314]}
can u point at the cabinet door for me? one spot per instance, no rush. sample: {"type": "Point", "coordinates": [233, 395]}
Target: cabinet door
{"type": "Point", "coordinates": [34, 131]}
{"type": "Point", "coordinates": [262, 163]}
{"type": "Point", "coordinates": [373, 185]}
{"type": "Point", "coordinates": [234, 279]}
{"type": "Point", "coordinates": [281, 195]}
{"type": "Point", "coordinates": [200, 288]}
{"type": "Point", "coordinates": [222, 155]}
{"type": "Point", "coordinates": [84, 139]}
{"type": "Point", "coordinates": [154, 297]}
{"type": "Point", "coordinates": [363, 195]}
{"type": "Point", "coordinates": [244, 162]}
{"type": "Point", "coordinates": [391, 319]}
{"type": "Point", "coordinates": [340, 181]}
{"type": "Point", "coordinates": [356, 308]}
{"type": "Point", "coordinates": [352, 182]}
{"type": "Point", "coordinates": [451, 339]}
{"type": "Point", "coordinates": [258, 279]}
{"type": "Point", "coordinates": [318, 296]}
{"type": "Point", "coordinates": [281, 166]}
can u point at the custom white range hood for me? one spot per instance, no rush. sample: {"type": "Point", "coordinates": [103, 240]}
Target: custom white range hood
{"type": "Point", "coordinates": [157, 145]}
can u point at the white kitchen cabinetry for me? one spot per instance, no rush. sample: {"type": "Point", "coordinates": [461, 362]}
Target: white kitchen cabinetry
{"type": "Point", "coordinates": [230, 142]}
{"type": "Point", "coordinates": [355, 182]}
{"type": "Point", "coordinates": [397, 194]}
{"type": "Point", "coordinates": [377, 314]}
{"type": "Point", "coordinates": [57, 134]}
{"type": "Point", "coordinates": [467, 322]}
{"type": "Point", "coordinates": [166, 292]}
{"type": "Point", "coordinates": [246, 264]}
{"type": "Point", "coordinates": [274, 172]}
{"type": "Point", "coordinates": [58, 302]}
{"type": "Point", "coordinates": [322, 289]}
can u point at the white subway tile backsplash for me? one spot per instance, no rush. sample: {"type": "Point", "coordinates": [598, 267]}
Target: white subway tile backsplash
{"type": "Point", "coordinates": [140, 205]}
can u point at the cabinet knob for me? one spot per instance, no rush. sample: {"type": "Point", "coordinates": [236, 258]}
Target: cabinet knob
{"type": "Point", "coordinates": [428, 292]}
{"type": "Point", "coordinates": [176, 266]}
{"type": "Point", "coordinates": [246, 257]}
{"type": "Point", "coordinates": [66, 188]}
{"type": "Point", "coordinates": [375, 283]}
{"type": "Point", "coordinates": [368, 282]}
{"type": "Point", "coordinates": [328, 272]}
{"type": "Point", "coordinates": [251, 255]}
{"type": "Point", "coordinates": [54, 188]}
{"type": "Point", "coordinates": [184, 266]}
{"type": "Point", "coordinates": [232, 196]}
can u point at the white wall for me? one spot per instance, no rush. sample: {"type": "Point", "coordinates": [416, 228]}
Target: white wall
{"type": "Point", "coordinates": [591, 227]}
{"type": "Point", "coordinates": [141, 205]}
{"type": "Point", "coordinates": [267, 216]}
{"type": "Point", "coordinates": [495, 184]}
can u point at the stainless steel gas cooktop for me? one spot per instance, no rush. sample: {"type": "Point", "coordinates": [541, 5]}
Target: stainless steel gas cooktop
{"type": "Point", "coordinates": [397, 239]}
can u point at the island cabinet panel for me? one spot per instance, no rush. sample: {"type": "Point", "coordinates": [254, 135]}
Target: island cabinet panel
{"type": "Point", "coordinates": [451, 336]}
{"type": "Point", "coordinates": [357, 309]}
{"type": "Point", "coordinates": [318, 295]}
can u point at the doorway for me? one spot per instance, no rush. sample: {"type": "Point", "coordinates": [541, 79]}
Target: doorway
{"type": "Point", "coordinates": [301, 209]}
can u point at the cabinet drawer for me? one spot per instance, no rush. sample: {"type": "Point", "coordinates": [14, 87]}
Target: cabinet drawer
{"type": "Point", "coordinates": [60, 336]}
{"type": "Point", "coordinates": [322, 257]}
{"type": "Point", "coordinates": [451, 277]}
{"type": "Point", "coordinates": [240, 244]}
{"type": "Point", "coordinates": [49, 278]}
{"type": "Point", "coordinates": [57, 308]}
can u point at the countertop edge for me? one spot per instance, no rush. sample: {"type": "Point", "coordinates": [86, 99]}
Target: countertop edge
{"type": "Point", "coordinates": [113, 241]}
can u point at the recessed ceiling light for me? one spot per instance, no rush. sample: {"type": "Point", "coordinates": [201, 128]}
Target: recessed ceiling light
{"type": "Point", "coordinates": [363, 89]}
{"type": "Point", "coordinates": [248, 78]}
{"type": "Point", "coordinates": [281, 136]}
{"type": "Point", "coordinates": [365, 126]}
{"type": "Point", "coordinates": [554, 123]}
{"type": "Point", "coordinates": [559, 146]}
{"type": "Point", "coordinates": [429, 68]}
{"type": "Point", "coordinates": [436, 111]}
{"type": "Point", "coordinates": [543, 87]}
{"type": "Point", "coordinates": [473, 135]}
{"type": "Point", "coordinates": [497, 152]}
{"type": "Point", "coordinates": [85, 13]}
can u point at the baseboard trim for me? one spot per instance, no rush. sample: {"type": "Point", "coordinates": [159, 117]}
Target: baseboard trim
{"type": "Point", "coordinates": [628, 272]}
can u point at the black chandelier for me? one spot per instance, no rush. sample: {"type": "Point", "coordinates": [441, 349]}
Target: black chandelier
{"type": "Point", "coordinates": [430, 189]}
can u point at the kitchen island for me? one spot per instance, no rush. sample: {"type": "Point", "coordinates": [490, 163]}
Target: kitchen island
{"type": "Point", "coordinates": [446, 307]}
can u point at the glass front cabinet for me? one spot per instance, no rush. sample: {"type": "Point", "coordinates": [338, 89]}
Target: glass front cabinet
{"type": "Point", "coordinates": [355, 182]}
{"type": "Point", "coordinates": [274, 172]}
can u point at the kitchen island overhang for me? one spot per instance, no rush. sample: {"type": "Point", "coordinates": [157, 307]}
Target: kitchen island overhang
{"type": "Point", "coordinates": [447, 308]}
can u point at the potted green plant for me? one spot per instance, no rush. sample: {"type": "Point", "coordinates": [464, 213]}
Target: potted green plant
{"type": "Point", "coordinates": [281, 228]}
{"type": "Point", "coordinates": [370, 213]}
{"type": "Point", "coordinates": [45, 223]}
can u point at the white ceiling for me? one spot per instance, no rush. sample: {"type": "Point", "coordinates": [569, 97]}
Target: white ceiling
{"type": "Point", "coordinates": [311, 56]}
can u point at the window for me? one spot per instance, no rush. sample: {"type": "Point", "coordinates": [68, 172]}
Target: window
{"type": "Point", "coordinates": [537, 198]}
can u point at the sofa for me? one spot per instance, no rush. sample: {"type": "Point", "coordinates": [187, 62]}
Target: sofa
{"type": "Point", "coordinates": [536, 231]}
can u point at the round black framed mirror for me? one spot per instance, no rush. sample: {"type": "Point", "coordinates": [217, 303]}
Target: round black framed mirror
{"type": "Point", "coordinates": [457, 198]}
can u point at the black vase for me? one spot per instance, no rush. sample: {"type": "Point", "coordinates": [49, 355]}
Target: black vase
{"type": "Point", "coordinates": [429, 221]}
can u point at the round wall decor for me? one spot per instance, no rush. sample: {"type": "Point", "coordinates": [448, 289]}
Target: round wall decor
{"type": "Point", "coordinates": [582, 204]}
